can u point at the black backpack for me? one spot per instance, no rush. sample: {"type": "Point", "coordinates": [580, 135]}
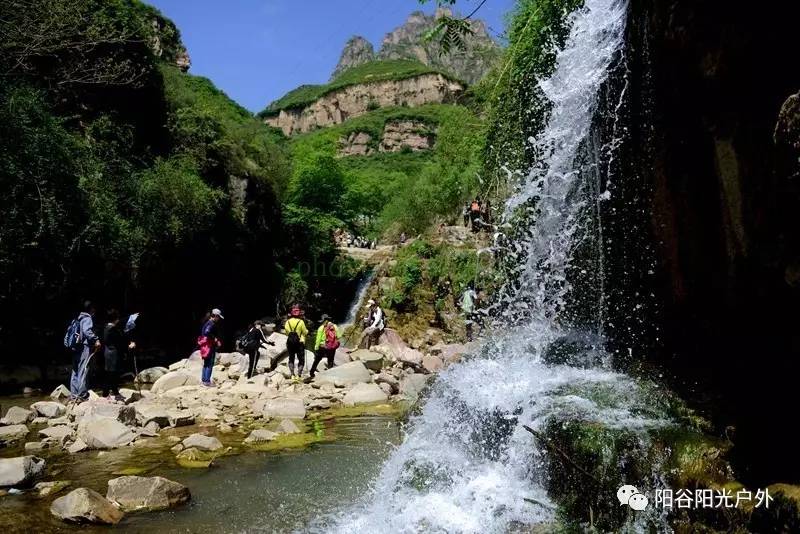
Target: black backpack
{"type": "Point", "coordinates": [250, 341]}
{"type": "Point", "coordinates": [293, 338]}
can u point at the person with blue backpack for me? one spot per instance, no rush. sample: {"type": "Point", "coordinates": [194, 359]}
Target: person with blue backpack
{"type": "Point", "coordinates": [84, 343]}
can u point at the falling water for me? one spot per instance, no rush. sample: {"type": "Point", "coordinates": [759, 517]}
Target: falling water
{"type": "Point", "coordinates": [361, 292]}
{"type": "Point", "coordinates": [466, 464]}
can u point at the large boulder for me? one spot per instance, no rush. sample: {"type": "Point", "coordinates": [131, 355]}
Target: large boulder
{"type": "Point", "coordinates": [432, 363]}
{"type": "Point", "coordinates": [175, 379]}
{"type": "Point", "coordinates": [202, 443]}
{"type": "Point", "coordinates": [346, 375]}
{"type": "Point", "coordinates": [287, 426]}
{"type": "Point", "coordinates": [285, 407]}
{"type": "Point", "coordinates": [409, 356]}
{"type": "Point", "coordinates": [364, 394]}
{"type": "Point", "coordinates": [146, 493]}
{"type": "Point", "coordinates": [392, 339]}
{"type": "Point", "coordinates": [58, 433]}
{"type": "Point", "coordinates": [341, 356]}
{"type": "Point", "coordinates": [149, 376]}
{"type": "Point", "coordinates": [371, 360]}
{"type": "Point", "coordinates": [105, 434]}
{"type": "Point", "coordinates": [260, 435]}
{"type": "Point", "coordinates": [12, 434]}
{"type": "Point", "coordinates": [17, 416]}
{"type": "Point", "coordinates": [20, 471]}
{"type": "Point", "coordinates": [412, 385]}
{"type": "Point", "coordinates": [48, 409]}
{"type": "Point", "coordinates": [101, 409]}
{"type": "Point", "coordinates": [86, 506]}
{"type": "Point", "coordinates": [147, 412]}
{"type": "Point", "coordinates": [450, 353]}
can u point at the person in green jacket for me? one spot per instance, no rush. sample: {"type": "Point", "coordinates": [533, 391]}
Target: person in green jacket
{"type": "Point", "coordinates": [326, 343]}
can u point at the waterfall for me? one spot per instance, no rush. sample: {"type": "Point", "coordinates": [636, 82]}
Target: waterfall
{"type": "Point", "coordinates": [361, 292]}
{"type": "Point", "coordinates": [466, 464]}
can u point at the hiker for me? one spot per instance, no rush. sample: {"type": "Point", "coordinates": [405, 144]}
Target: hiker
{"type": "Point", "coordinates": [466, 213]}
{"type": "Point", "coordinates": [115, 346]}
{"type": "Point", "coordinates": [374, 322]}
{"type": "Point", "coordinates": [325, 344]}
{"type": "Point", "coordinates": [475, 214]}
{"type": "Point", "coordinates": [296, 332]}
{"type": "Point", "coordinates": [403, 238]}
{"type": "Point", "coordinates": [208, 342]}
{"type": "Point", "coordinates": [251, 342]}
{"type": "Point", "coordinates": [468, 307]}
{"type": "Point", "coordinates": [84, 343]}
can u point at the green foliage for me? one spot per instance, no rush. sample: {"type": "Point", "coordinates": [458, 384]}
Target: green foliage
{"type": "Point", "coordinates": [295, 289]}
{"type": "Point", "coordinates": [318, 185]}
{"type": "Point", "coordinates": [374, 71]}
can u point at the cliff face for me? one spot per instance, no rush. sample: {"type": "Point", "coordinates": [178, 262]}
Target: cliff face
{"type": "Point", "coordinates": [407, 42]}
{"type": "Point", "coordinates": [342, 104]}
{"type": "Point", "coordinates": [356, 52]}
{"type": "Point", "coordinates": [711, 178]}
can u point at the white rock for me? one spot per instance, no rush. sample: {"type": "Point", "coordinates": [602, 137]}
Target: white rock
{"type": "Point", "coordinates": [282, 407]}
{"type": "Point", "coordinates": [147, 412]}
{"type": "Point", "coordinates": [174, 379]}
{"type": "Point", "coordinates": [389, 380]}
{"type": "Point", "coordinates": [432, 364]}
{"type": "Point", "coordinates": [203, 443]}
{"type": "Point", "coordinates": [347, 374]}
{"type": "Point", "coordinates": [48, 409]}
{"type": "Point", "coordinates": [59, 433]}
{"type": "Point", "coordinates": [12, 433]}
{"type": "Point", "coordinates": [20, 471]}
{"type": "Point", "coordinates": [85, 506]}
{"type": "Point", "coordinates": [287, 426]}
{"type": "Point", "coordinates": [105, 434]}
{"type": "Point", "coordinates": [260, 436]}
{"type": "Point", "coordinates": [386, 388]}
{"type": "Point", "coordinates": [77, 446]}
{"type": "Point", "coordinates": [129, 396]}
{"type": "Point", "coordinates": [181, 417]}
{"type": "Point", "coordinates": [364, 394]}
{"type": "Point", "coordinates": [412, 385]}
{"type": "Point", "coordinates": [371, 360]}
{"type": "Point", "coordinates": [102, 409]}
{"type": "Point", "coordinates": [146, 493]}
{"type": "Point", "coordinates": [60, 393]}
{"type": "Point", "coordinates": [17, 416]}
{"type": "Point", "coordinates": [35, 446]}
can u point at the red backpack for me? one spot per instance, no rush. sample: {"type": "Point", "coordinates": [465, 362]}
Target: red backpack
{"type": "Point", "coordinates": [331, 341]}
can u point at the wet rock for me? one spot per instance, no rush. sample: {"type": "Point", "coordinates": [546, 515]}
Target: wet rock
{"type": "Point", "coordinates": [129, 396]}
{"type": "Point", "coordinates": [20, 471]}
{"type": "Point", "coordinates": [371, 360]}
{"type": "Point", "coordinates": [61, 393]}
{"type": "Point", "coordinates": [48, 409]}
{"type": "Point", "coordinates": [105, 434]}
{"type": "Point", "coordinates": [177, 448]}
{"type": "Point", "coordinates": [291, 408]}
{"type": "Point", "coordinates": [364, 394]}
{"type": "Point", "coordinates": [151, 430]}
{"type": "Point", "coordinates": [319, 404]}
{"type": "Point", "coordinates": [409, 356]}
{"type": "Point", "coordinates": [450, 353]}
{"type": "Point", "coordinates": [386, 388]}
{"type": "Point", "coordinates": [202, 443]}
{"type": "Point", "coordinates": [224, 428]}
{"type": "Point", "coordinates": [287, 426]}
{"type": "Point", "coordinates": [194, 458]}
{"type": "Point", "coordinates": [389, 380]}
{"type": "Point", "coordinates": [39, 420]}
{"type": "Point", "coordinates": [46, 489]}
{"type": "Point", "coordinates": [64, 420]}
{"type": "Point", "coordinates": [12, 433]}
{"type": "Point", "coordinates": [59, 433]}
{"type": "Point", "coordinates": [180, 417]}
{"type": "Point", "coordinates": [174, 379]}
{"type": "Point", "coordinates": [133, 493]}
{"type": "Point", "coordinates": [347, 374]}
{"type": "Point", "coordinates": [260, 435]}
{"type": "Point", "coordinates": [412, 385]}
{"type": "Point", "coordinates": [147, 412]}
{"type": "Point", "coordinates": [104, 410]}
{"type": "Point", "coordinates": [17, 416]}
{"type": "Point", "coordinates": [432, 363]}
{"type": "Point", "coordinates": [86, 506]}
{"type": "Point", "coordinates": [33, 447]}
{"type": "Point", "coordinates": [149, 376]}
{"type": "Point", "coordinates": [77, 446]}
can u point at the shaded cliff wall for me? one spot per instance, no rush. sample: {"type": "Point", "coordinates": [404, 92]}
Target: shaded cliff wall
{"type": "Point", "coordinates": [719, 199]}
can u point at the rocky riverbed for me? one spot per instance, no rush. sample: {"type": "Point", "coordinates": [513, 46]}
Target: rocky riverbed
{"type": "Point", "coordinates": [169, 414]}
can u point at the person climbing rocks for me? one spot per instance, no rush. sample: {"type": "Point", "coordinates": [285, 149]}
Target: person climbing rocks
{"type": "Point", "coordinates": [375, 323]}
{"type": "Point", "coordinates": [208, 342]}
{"type": "Point", "coordinates": [325, 344]}
{"type": "Point", "coordinates": [466, 214]}
{"type": "Point", "coordinates": [84, 343]}
{"type": "Point", "coordinates": [251, 342]}
{"type": "Point", "coordinates": [475, 214]}
{"type": "Point", "coordinates": [296, 332]}
{"type": "Point", "coordinates": [468, 307]}
{"type": "Point", "coordinates": [115, 346]}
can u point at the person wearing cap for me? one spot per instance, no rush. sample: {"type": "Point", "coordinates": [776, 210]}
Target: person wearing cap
{"type": "Point", "coordinates": [209, 341]}
{"type": "Point", "coordinates": [325, 344]}
{"type": "Point", "coordinates": [296, 332]}
{"type": "Point", "coordinates": [375, 324]}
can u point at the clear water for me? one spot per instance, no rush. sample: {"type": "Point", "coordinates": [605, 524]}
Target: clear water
{"type": "Point", "coordinates": [466, 464]}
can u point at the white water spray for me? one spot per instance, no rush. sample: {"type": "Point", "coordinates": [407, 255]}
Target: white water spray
{"type": "Point", "coordinates": [466, 464]}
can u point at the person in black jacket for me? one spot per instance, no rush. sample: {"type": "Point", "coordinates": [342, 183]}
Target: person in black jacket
{"type": "Point", "coordinates": [116, 345]}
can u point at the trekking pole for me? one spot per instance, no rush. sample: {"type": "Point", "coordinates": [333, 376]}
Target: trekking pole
{"type": "Point", "coordinates": [136, 372]}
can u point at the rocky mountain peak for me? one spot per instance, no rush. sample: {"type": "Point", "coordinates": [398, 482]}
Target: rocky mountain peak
{"type": "Point", "coordinates": [357, 51]}
{"type": "Point", "coordinates": [407, 42]}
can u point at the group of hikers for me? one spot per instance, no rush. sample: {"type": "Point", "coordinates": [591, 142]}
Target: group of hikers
{"type": "Point", "coordinates": [117, 340]}
{"type": "Point", "coordinates": [477, 215]}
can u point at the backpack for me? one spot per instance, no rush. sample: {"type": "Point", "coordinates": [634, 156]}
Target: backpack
{"type": "Point", "coordinates": [73, 338]}
{"type": "Point", "coordinates": [293, 339]}
{"type": "Point", "coordinates": [331, 341]}
{"type": "Point", "coordinates": [250, 341]}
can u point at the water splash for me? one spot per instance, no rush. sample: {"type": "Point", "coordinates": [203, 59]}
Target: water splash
{"type": "Point", "coordinates": [467, 465]}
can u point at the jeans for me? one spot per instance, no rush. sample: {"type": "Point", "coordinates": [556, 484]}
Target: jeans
{"type": "Point", "coordinates": [208, 366]}
{"type": "Point", "coordinates": [78, 381]}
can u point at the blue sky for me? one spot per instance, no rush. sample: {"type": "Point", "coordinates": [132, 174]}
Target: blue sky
{"type": "Point", "coordinates": [257, 50]}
